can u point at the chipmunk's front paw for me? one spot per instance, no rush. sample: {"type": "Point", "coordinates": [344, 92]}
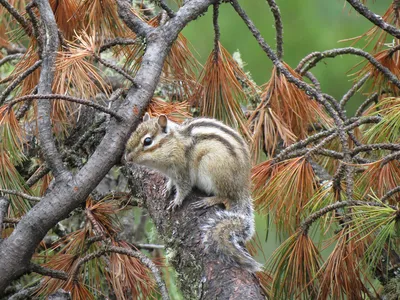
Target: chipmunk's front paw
{"type": "Point", "coordinates": [175, 204]}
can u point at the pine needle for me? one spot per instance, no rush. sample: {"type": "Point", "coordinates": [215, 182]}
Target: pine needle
{"type": "Point", "coordinates": [220, 93]}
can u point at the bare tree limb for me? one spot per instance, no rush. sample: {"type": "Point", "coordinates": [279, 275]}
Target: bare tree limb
{"type": "Point", "coordinates": [48, 272]}
{"type": "Point", "coordinates": [318, 56]}
{"type": "Point", "coordinates": [374, 18]}
{"type": "Point", "coordinates": [23, 195]}
{"type": "Point", "coordinates": [278, 27]}
{"type": "Point", "coordinates": [352, 123]}
{"type": "Point", "coordinates": [373, 98]}
{"type": "Point", "coordinates": [390, 193]}
{"type": "Point", "coordinates": [67, 98]}
{"type": "Point", "coordinates": [10, 58]}
{"type": "Point", "coordinates": [35, 25]}
{"type": "Point", "coordinates": [305, 226]}
{"type": "Point", "coordinates": [50, 47]}
{"type": "Point", "coordinates": [20, 19]}
{"type": "Point", "coordinates": [118, 41]}
{"type": "Point", "coordinates": [346, 97]}
{"type": "Point", "coordinates": [138, 26]}
{"type": "Point", "coordinates": [167, 9]}
{"type": "Point", "coordinates": [18, 80]}
{"type": "Point", "coordinates": [115, 68]}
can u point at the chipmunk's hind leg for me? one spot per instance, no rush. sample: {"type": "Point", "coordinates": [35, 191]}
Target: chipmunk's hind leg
{"type": "Point", "coordinates": [210, 201]}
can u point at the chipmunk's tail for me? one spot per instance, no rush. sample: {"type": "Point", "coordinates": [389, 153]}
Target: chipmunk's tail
{"type": "Point", "coordinates": [227, 233]}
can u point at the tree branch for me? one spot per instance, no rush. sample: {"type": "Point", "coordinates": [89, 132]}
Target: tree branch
{"type": "Point", "coordinates": [20, 19]}
{"type": "Point", "coordinates": [134, 23]}
{"type": "Point", "coordinates": [67, 98]}
{"type": "Point", "coordinates": [50, 47]}
{"type": "Point", "coordinates": [23, 195]}
{"type": "Point", "coordinates": [305, 226]}
{"type": "Point", "coordinates": [374, 18]}
{"type": "Point", "coordinates": [346, 97]}
{"type": "Point", "coordinates": [318, 56]}
{"type": "Point", "coordinates": [18, 80]}
{"type": "Point", "coordinates": [48, 272]}
{"type": "Point", "coordinates": [278, 27]}
{"type": "Point", "coordinates": [10, 58]}
{"type": "Point", "coordinates": [167, 9]}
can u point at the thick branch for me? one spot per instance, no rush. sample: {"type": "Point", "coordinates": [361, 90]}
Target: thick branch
{"type": "Point", "coordinates": [50, 47]}
{"type": "Point", "coordinates": [196, 265]}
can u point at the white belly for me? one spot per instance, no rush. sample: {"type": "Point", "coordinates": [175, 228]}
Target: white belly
{"type": "Point", "coordinates": [203, 182]}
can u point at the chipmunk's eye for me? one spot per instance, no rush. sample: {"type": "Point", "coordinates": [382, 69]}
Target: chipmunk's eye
{"type": "Point", "coordinates": [147, 141]}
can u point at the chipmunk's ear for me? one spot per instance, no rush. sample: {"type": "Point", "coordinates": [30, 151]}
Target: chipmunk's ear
{"type": "Point", "coordinates": [146, 117]}
{"type": "Point", "coordinates": [163, 122]}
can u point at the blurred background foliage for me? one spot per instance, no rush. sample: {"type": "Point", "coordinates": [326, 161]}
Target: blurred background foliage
{"type": "Point", "coordinates": [308, 25]}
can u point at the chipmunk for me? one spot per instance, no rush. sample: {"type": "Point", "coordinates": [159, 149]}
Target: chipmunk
{"type": "Point", "coordinates": [211, 156]}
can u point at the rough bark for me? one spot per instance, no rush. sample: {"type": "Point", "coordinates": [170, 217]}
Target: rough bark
{"type": "Point", "coordinates": [202, 273]}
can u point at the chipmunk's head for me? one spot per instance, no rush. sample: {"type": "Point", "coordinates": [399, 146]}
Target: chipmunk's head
{"type": "Point", "coordinates": [152, 142]}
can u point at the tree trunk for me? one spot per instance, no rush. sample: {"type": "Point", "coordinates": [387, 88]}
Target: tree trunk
{"type": "Point", "coordinates": [201, 273]}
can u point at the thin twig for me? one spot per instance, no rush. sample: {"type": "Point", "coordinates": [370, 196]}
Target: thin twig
{"type": "Point", "coordinates": [117, 41]}
{"type": "Point", "coordinates": [331, 133]}
{"type": "Point", "coordinates": [389, 158]}
{"type": "Point", "coordinates": [318, 56]}
{"type": "Point", "coordinates": [67, 98]}
{"type": "Point", "coordinates": [35, 24]}
{"type": "Point", "coordinates": [374, 18]}
{"type": "Point", "coordinates": [278, 27]}
{"type": "Point", "coordinates": [314, 80]}
{"type": "Point", "coordinates": [21, 194]}
{"type": "Point", "coordinates": [217, 33]}
{"type": "Point", "coordinates": [48, 272]}
{"type": "Point", "coordinates": [25, 107]}
{"type": "Point", "coordinates": [10, 58]}
{"type": "Point", "coordinates": [165, 7]}
{"type": "Point", "coordinates": [390, 193]}
{"type": "Point", "coordinates": [315, 216]}
{"type": "Point", "coordinates": [20, 19]}
{"type": "Point", "coordinates": [133, 22]}
{"type": "Point", "coordinates": [149, 246]}
{"type": "Point", "coordinates": [116, 69]}
{"type": "Point", "coordinates": [11, 220]}
{"type": "Point", "coordinates": [346, 97]}
{"type": "Point", "coordinates": [372, 147]}
{"type": "Point", "coordinates": [18, 80]}
{"type": "Point", "coordinates": [137, 254]}
{"type": "Point", "coordinates": [373, 98]}
{"type": "Point", "coordinates": [36, 177]}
